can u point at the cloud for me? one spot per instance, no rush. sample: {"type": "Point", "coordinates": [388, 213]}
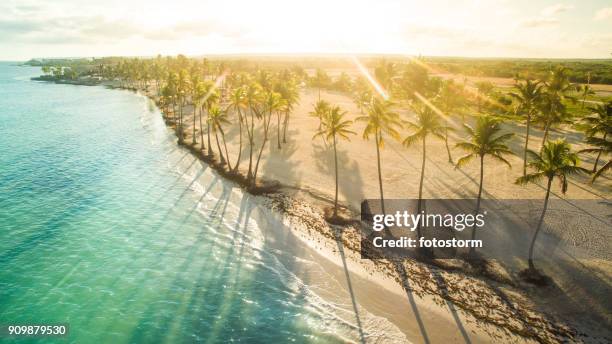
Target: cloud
{"type": "Point", "coordinates": [603, 14]}
{"type": "Point", "coordinates": [539, 22]}
{"type": "Point", "coordinates": [556, 9]}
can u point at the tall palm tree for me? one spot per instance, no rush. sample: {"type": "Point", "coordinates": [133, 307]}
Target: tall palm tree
{"type": "Point", "coordinates": [291, 95]}
{"type": "Point", "coordinates": [484, 140]}
{"type": "Point", "coordinates": [427, 123]}
{"type": "Point", "coordinates": [380, 120]}
{"type": "Point", "coordinates": [210, 99]}
{"type": "Point", "coordinates": [254, 99]}
{"type": "Point", "coordinates": [528, 95]}
{"type": "Point", "coordinates": [200, 92]}
{"type": "Point", "coordinates": [218, 118]}
{"type": "Point", "coordinates": [237, 102]}
{"type": "Point", "coordinates": [449, 99]}
{"type": "Point", "coordinates": [598, 123]}
{"type": "Point", "coordinates": [557, 90]}
{"type": "Point", "coordinates": [183, 89]}
{"type": "Point", "coordinates": [555, 160]}
{"type": "Point", "coordinates": [272, 103]}
{"type": "Point", "coordinates": [195, 81]}
{"type": "Point", "coordinates": [334, 125]}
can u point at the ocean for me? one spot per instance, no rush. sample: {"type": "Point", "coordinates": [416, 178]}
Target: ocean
{"type": "Point", "coordinates": [108, 226]}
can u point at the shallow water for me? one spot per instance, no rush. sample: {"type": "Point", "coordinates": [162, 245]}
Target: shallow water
{"type": "Point", "coordinates": [108, 226]}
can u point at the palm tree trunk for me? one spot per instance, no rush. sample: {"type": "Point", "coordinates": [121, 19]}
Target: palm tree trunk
{"type": "Point", "coordinates": [193, 138]}
{"type": "Point", "coordinates": [180, 127]}
{"type": "Point", "coordinates": [526, 145]}
{"type": "Point", "coordinates": [545, 137]}
{"type": "Point", "coordinates": [210, 153]}
{"type": "Point", "coordinates": [229, 166]}
{"type": "Point", "coordinates": [251, 145]}
{"type": "Point", "coordinates": [263, 145]}
{"type": "Point", "coordinates": [285, 125]}
{"type": "Point", "coordinates": [450, 158]}
{"type": "Point", "coordinates": [598, 155]}
{"type": "Point", "coordinates": [473, 249]}
{"type": "Point", "coordinates": [336, 169]}
{"type": "Point", "coordinates": [235, 169]}
{"type": "Point", "coordinates": [421, 180]}
{"type": "Point", "coordinates": [380, 184]}
{"type": "Point", "coordinates": [222, 159]}
{"type": "Point", "coordinates": [201, 132]}
{"type": "Point", "coordinates": [278, 116]}
{"type": "Point", "coordinates": [535, 235]}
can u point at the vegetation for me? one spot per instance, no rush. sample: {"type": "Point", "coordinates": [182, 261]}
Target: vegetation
{"type": "Point", "coordinates": [556, 160]}
{"type": "Point", "coordinates": [259, 97]}
{"type": "Point", "coordinates": [484, 140]}
{"type": "Point", "coordinates": [333, 127]}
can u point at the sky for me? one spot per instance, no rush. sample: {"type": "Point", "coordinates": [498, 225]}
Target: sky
{"type": "Point", "coordinates": [473, 28]}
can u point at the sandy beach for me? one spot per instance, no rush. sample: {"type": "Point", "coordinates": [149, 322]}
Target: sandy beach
{"type": "Point", "coordinates": [304, 168]}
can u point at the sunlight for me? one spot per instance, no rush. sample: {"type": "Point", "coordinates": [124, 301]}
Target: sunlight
{"type": "Point", "coordinates": [368, 76]}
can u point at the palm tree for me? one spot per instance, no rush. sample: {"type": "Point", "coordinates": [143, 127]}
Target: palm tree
{"type": "Point", "coordinates": [380, 120]}
{"type": "Point", "coordinates": [320, 110]}
{"type": "Point", "coordinates": [210, 99]}
{"type": "Point", "coordinates": [217, 118]}
{"type": "Point", "coordinates": [272, 103]}
{"type": "Point", "coordinates": [291, 96]}
{"type": "Point", "coordinates": [334, 126]}
{"type": "Point", "coordinates": [427, 123]}
{"type": "Point", "coordinates": [183, 89]}
{"type": "Point", "coordinates": [449, 99]}
{"type": "Point", "coordinates": [200, 92]}
{"type": "Point", "coordinates": [598, 123]}
{"type": "Point", "coordinates": [195, 82]}
{"type": "Point", "coordinates": [585, 90]}
{"type": "Point", "coordinates": [555, 160]}
{"type": "Point", "coordinates": [254, 95]}
{"type": "Point", "coordinates": [601, 146]}
{"type": "Point", "coordinates": [529, 94]}
{"type": "Point", "coordinates": [553, 109]}
{"type": "Point", "coordinates": [484, 140]}
{"type": "Point", "coordinates": [237, 102]}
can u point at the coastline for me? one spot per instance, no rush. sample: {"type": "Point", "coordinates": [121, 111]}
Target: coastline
{"type": "Point", "coordinates": [475, 299]}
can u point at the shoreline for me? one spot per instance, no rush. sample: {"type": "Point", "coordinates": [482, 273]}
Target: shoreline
{"type": "Point", "coordinates": [473, 295]}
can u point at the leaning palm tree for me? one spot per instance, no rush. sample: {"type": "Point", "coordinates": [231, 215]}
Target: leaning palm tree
{"type": "Point", "coordinates": [335, 126]}
{"type": "Point", "coordinates": [272, 103]}
{"type": "Point", "coordinates": [601, 146]}
{"type": "Point", "coordinates": [555, 160]}
{"type": "Point", "coordinates": [427, 123]}
{"type": "Point", "coordinates": [598, 123]}
{"type": "Point", "coordinates": [528, 94]}
{"type": "Point", "coordinates": [218, 118]}
{"type": "Point", "coordinates": [380, 120]}
{"type": "Point", "coordinates": [484, 140]}
{"type": "Point", "coordinates": [237, 102]}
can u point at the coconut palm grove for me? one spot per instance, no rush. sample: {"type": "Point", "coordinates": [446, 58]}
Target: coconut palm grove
{"type": "Point", "coordinates": [244, 117]}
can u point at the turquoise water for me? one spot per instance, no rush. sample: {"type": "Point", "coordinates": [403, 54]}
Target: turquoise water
{"type": "Point", "coordinates": [108, 226]}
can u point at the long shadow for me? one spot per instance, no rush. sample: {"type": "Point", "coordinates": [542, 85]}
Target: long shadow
{"type": "Point", "coordinates": [338, 235]}
{"type": "Point", "coordinates": [442, 286]}
{"type": "Point", "coordinates": [399, 267]}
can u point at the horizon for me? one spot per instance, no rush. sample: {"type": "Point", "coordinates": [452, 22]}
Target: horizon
{"type": "Point", "coordinates": [465, 29]}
